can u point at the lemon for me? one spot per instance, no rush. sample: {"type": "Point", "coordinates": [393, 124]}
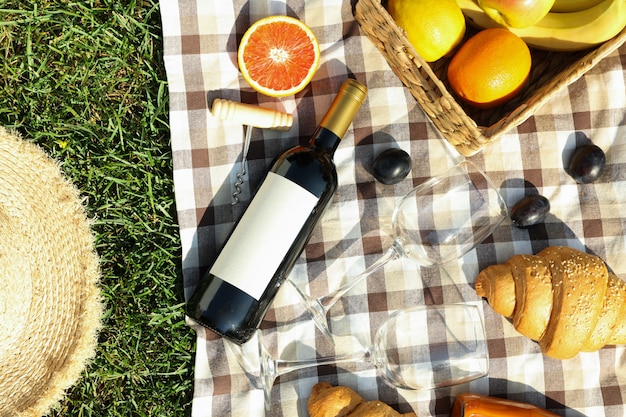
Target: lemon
{"type": "Point", "coordinates": [433, 27]}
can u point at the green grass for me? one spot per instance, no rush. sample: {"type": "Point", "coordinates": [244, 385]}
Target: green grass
{"type": "Point", "coordinates": [85, 80]}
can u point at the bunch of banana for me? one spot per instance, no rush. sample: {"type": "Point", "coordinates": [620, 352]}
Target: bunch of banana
{"type": "Point", "coordinates": [568, 6]}
{"type": "Point", "coordinates": [563, 31]}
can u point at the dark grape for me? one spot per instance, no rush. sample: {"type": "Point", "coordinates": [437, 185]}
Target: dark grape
{"type": "Point", "coordinates": [530, 210]}
{"type": "Point", "coordinates": [392, 166]}
{"type": "Point", "coordinates": [586, 164]}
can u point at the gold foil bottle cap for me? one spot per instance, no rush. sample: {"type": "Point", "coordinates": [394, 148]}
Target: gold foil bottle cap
{"type": "Point", "coordinates": [344, 108]}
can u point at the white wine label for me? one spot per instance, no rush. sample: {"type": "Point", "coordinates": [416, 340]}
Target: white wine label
{"type": "Point", "coordinates": [264, 234]}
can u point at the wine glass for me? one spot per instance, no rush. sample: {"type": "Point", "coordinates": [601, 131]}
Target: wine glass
{"type": "Point", "coordinates": [418, 348]}
{"type": "Point", "coordinates": [437, 222]}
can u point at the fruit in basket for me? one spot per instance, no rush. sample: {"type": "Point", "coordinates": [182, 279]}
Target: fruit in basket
{"type": "Point", "coordinates": [565, 299]}
{"type": "Point", "coordinates": [586, 164]}
{"type": "Point", "coordinates": [573, 31]}
{"type": "Point", "coordinates": [433, 27]}
{"type": "Point", "coordinates": [567, 6]}
{"type": "Point", "coordinates": [516, 13]}
{"type": "Point", "coordinates": [490, 68]}
{"type": "Point", "coordinates": [278, 55]}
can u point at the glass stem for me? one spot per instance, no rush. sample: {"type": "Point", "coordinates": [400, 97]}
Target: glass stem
{"type": "Point", "coordinates": [328, 300]}
{"type": "Point", "coordinates": [285, 366]}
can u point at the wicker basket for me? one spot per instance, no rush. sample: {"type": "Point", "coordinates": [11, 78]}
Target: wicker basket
{"type": "Point", "coordinates": [469, 129]}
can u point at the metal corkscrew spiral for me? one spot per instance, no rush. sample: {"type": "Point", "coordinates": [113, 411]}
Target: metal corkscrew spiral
{"type": "Point", "coordinates": [250, 116]}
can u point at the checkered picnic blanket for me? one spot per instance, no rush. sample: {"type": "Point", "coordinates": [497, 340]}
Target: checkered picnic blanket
{"type": "Point", "coordinates": [200, 44]}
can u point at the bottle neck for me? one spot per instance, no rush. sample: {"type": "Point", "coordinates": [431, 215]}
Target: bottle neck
{"type": "Point", "coordinates": [325, 140]}
{"type": "Point", "coordinates": [339, 116]}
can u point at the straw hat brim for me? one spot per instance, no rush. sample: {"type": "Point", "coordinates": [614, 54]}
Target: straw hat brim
{"type": "Point", "coordinates": [50, 302]}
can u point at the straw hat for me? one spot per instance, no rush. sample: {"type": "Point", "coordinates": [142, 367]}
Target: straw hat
{"type": "Point", "coordinates": [50, 304]}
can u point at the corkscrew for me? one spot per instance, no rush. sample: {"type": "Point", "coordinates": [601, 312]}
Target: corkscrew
{"type": "Point", "coordinates": [250, 116]}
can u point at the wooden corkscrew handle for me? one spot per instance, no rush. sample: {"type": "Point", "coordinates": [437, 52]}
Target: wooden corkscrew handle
{"type": "Point", "coordinates": [251, 115]}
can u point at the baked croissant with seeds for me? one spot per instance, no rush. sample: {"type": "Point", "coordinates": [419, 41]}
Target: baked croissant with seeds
{"type": "Point", "coordinates": [330, 401]}
{"type": "Point", "coordinates": [563, 298]}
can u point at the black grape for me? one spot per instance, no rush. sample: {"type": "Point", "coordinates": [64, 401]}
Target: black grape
{"type": "Point", "coordinates": [586, 164]}
{"type": "Point", "coordinates": [530, 210]}
{"type": "Point", "coordinates": [391, 166]}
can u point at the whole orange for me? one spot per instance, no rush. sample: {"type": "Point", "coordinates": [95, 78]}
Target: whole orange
{"type": "Point", "coordinates": [490, 68]}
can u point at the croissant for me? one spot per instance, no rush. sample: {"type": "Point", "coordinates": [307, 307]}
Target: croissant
{"type": "Point", "coordinates": [563, 298]}
{"type": "Point", "coordinates": [330, 401]}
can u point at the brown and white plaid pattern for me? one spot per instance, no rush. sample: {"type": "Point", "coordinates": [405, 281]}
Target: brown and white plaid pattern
{"type": "Point", "coordinates": [200, 41]}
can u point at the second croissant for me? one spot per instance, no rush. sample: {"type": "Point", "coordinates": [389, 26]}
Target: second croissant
{"type": "Point", "coordinates": [565, 299]}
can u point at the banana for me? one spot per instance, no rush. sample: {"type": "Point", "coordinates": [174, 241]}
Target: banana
{"type": "Point", "coordinates": [568, 6]}
{"type": "Point", "coordinates": [573, 31]}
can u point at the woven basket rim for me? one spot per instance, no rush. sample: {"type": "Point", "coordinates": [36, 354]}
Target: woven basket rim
{"type": "Point", "coordinates": [447, 114]}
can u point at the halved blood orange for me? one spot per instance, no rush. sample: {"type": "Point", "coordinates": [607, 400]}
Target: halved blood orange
{"type": "Point", "coordinates": [278, 55]}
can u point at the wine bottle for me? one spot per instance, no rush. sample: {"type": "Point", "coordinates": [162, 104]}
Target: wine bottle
{"type": "Point", "coordinates": [258, 255]}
